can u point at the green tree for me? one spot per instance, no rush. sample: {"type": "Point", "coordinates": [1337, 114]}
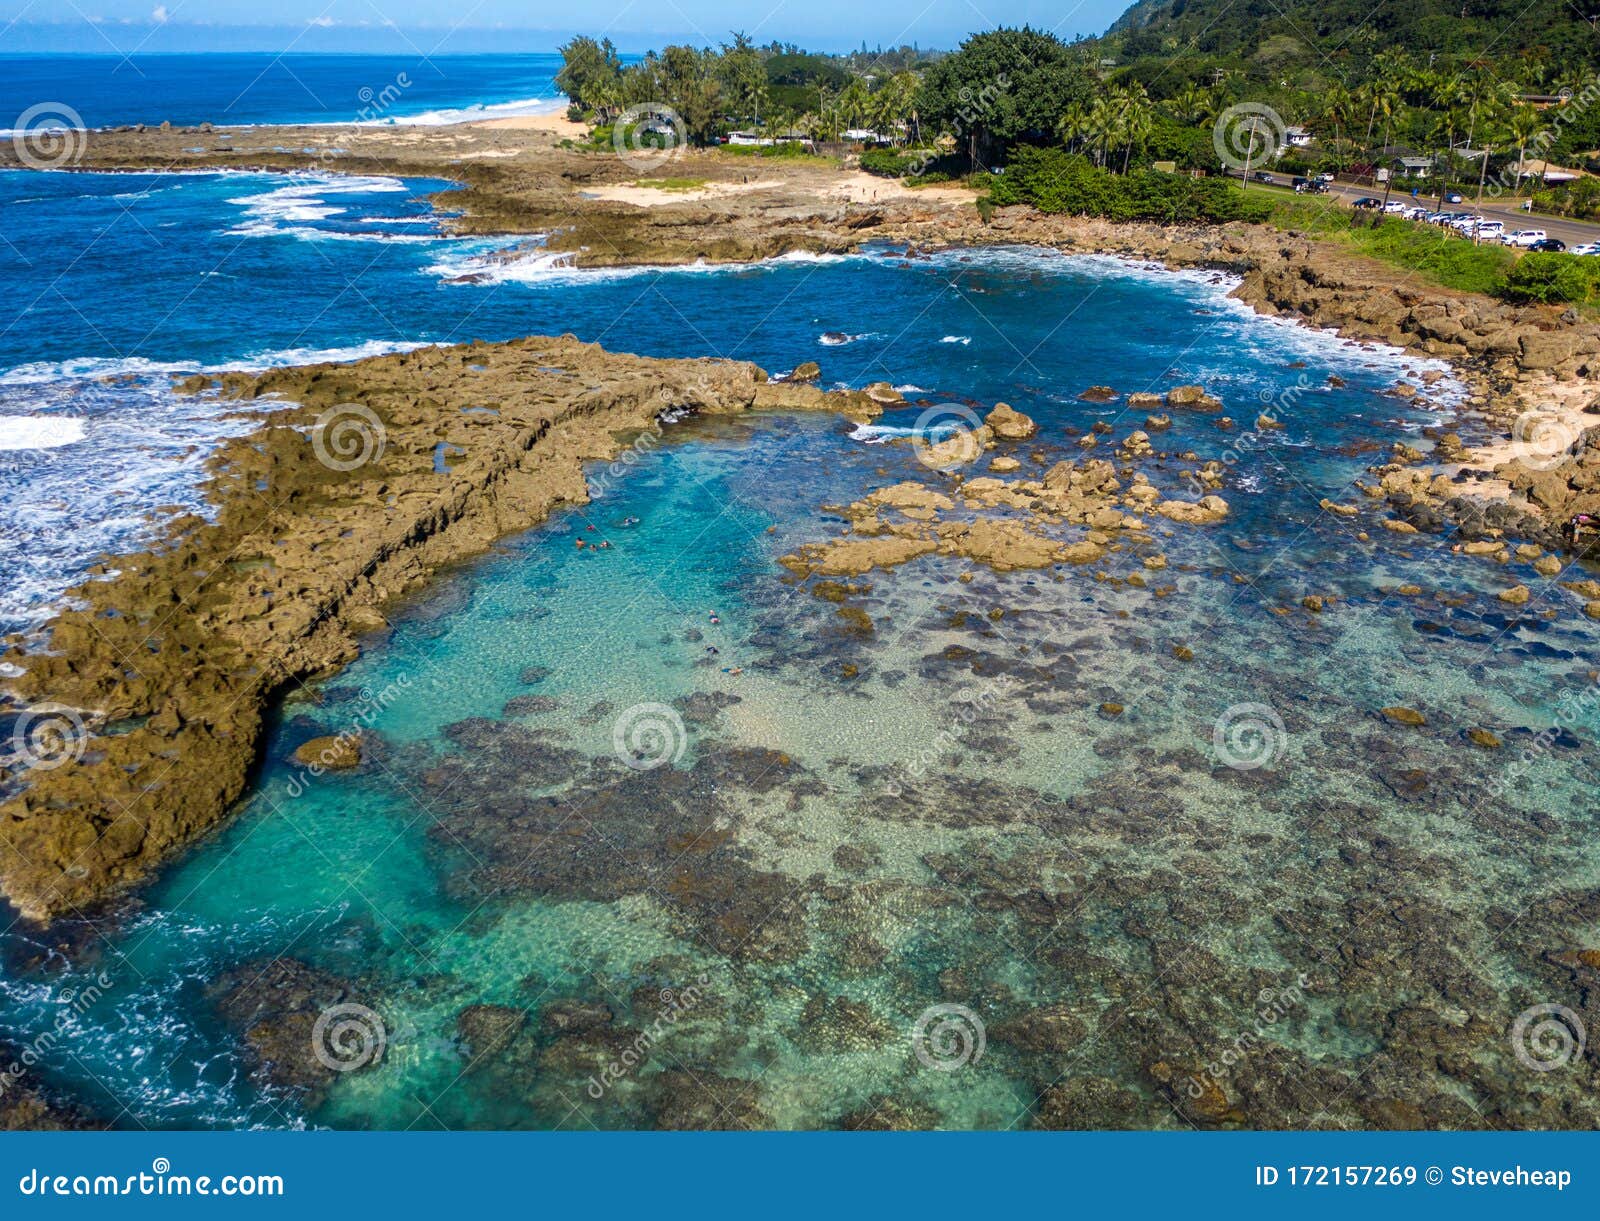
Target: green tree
{"type": "Point", "coordinates": [1001, 87]}
{"type": "Point", "coordinates": [743, 77]}
{"type": "Point", "coordinates": [688, 83]}
{"type": "Point", "coordinates": [589, 69]}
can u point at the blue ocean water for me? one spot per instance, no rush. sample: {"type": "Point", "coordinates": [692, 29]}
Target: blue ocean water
{"type": "Point", "coordinates": [121, 281]}
{"type": "Point", "coordinates": [762, 932]}
{"type": "Point", "coordinates": [246, 87]}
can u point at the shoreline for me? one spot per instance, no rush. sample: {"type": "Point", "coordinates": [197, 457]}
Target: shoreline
{"type": "Point", "coordinates": [246, 637]}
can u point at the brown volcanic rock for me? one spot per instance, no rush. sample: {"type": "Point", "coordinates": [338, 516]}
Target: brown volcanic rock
{"type": "Point", "coordinates": [329, 509]}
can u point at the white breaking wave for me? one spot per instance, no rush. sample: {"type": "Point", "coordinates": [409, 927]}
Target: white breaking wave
{"type": "Point", "coordinates": [518, 108]}
{"type": "Point", "coordinates": [94, 368]}
{"type": "Point", "coordinates": [961, 339]}
{"type": "Point", "coordinates": [39, 431]}
{"type": "Point", "coordinates": [286, 211]}
{"type": "Point", "coordinates": [877, 434]}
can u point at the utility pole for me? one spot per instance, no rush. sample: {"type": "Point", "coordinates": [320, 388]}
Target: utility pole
{"type": "Point", "coordinates": [1477, 206]}
{"type": "Point", "coordinates": [1249, 148]}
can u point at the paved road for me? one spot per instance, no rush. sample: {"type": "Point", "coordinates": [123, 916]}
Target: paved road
{"type": "Point", "coordinates": [1569, 231]}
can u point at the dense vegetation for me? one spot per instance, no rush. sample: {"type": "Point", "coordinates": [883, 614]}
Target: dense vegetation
{"type": "Point", "coordinates": [1053, 180]}
{"type": "Point", "coordinates": [1480, 97]}
{"type": "Point", "coordinates": [773, 88]}
{"type": "Point", "coordinates": [1525, 40]}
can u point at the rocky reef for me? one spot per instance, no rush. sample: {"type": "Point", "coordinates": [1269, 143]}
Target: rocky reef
{"type": "Point", "coordinates": [362, 480]}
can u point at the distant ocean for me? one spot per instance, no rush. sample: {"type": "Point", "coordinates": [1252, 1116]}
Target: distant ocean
{"type": "Point", "coordinates": [187, 89]}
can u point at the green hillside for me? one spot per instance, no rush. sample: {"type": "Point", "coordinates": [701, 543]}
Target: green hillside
{"type": "Point", "coordinates": [1541, 39]}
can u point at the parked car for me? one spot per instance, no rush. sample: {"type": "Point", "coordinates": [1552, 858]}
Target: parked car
{"type": "Point", "coordinates": [1589, 248]}
{"type": "Point", "coordinates": [1263, 176]}
{"type": "Point", "coordinates": [1324, 177]}
{"type": "Point", "coordinates": [1367, 202]}
{"type": "Point", "coordinates": [1550, 245]}
{"type": "Point", "coordinates": [1526, 237]}
{"type": "Point", "coordinates": [1395, 208]}
{"type": "Point", "coordinates": [1452, 198]}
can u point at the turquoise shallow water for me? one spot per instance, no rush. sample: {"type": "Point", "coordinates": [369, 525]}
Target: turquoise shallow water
{"type": "Point", "coordinates": [867, 855]}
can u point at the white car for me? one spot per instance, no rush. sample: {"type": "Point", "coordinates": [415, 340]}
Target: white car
{"type": "Point", "coordinates": [1394, 207]}
{"type": "Point", "coordinates": [1586, 248]}
{"type": "Point", "coordinates": [1324, 177]}
{"type": "Point", "coordinates": [1525, 237]}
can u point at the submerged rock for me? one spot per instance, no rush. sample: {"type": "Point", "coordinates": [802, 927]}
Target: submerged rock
{"type": "Point", "coordinates": [335, 753]}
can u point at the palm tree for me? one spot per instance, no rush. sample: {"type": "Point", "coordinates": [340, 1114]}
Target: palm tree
{"type": "Point", "coordinates": [1134, 119]}
{"type": "Point", "coordinates": [1522, 125]}
{"type": "Point", "coordinates": [892, 107]}
{"type": "Point", "coordinates": [1338, 104]}
{"type": "Point", "coordinates": [1076, 122]}
{"type": "Point", "coordinates": [1447, 93]}
{"type": "Point", "coordinates": [1191, 104]}
{"type": "Point", "coordinates": [852, 102]}
{"type": "Point", "coordinates": [1102, 120]}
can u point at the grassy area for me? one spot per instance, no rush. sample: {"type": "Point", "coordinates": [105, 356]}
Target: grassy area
{"type": "Point", "coordinates": [1437, 254]}
{"type": "Point", "coordinates": [672, 184]}
{"type": "Point", "coordinates": [787, 151]}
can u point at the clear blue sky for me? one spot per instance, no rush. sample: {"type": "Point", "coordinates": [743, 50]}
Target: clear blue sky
{"type": "Point", "coordinates": [516, 25]}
